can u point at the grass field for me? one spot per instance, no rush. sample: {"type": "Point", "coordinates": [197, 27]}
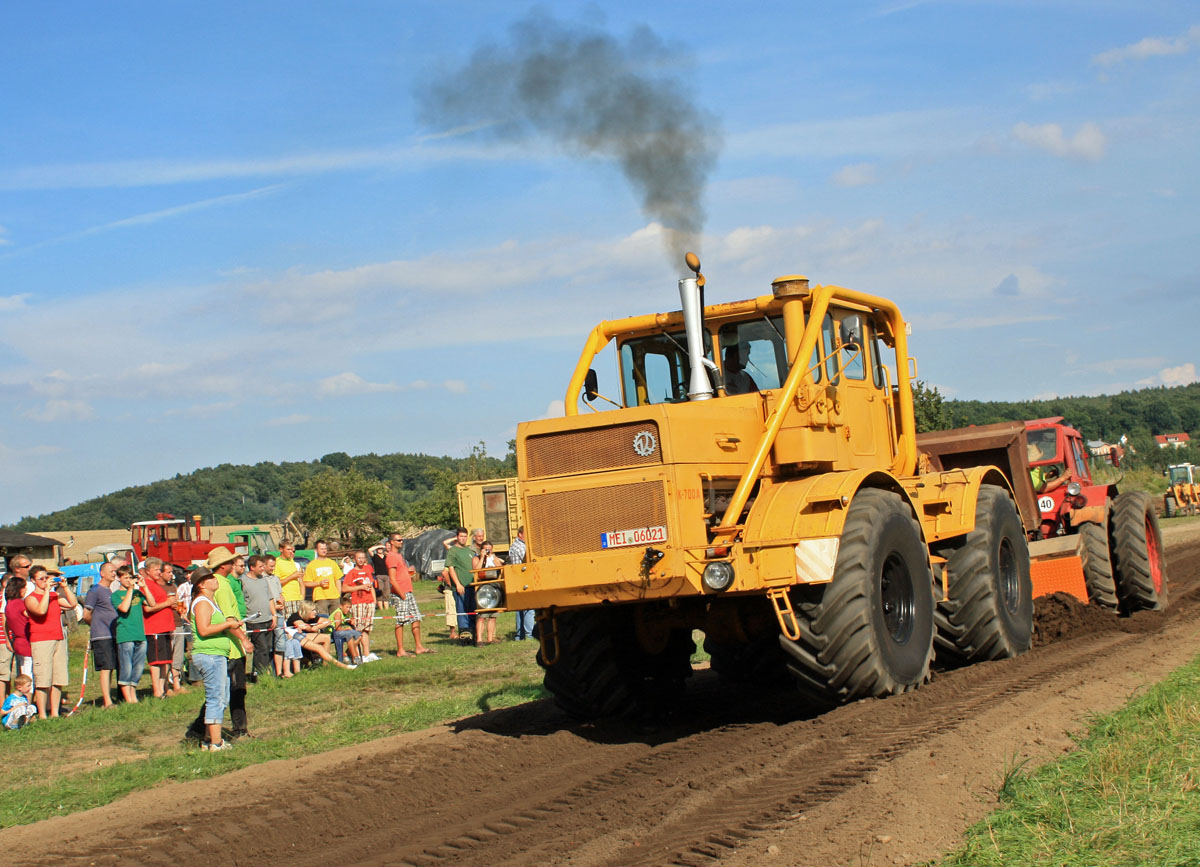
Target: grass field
{"type": "Point", "coordinates": [1129, 795]}
{"type": "Point", "coordinates": [65, 765]}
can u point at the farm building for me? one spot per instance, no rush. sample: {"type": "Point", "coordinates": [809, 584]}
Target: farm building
{"type": "Point", "coordinates": [1173, 439]}
{"type": "Point", "coordinates": [42, 550]}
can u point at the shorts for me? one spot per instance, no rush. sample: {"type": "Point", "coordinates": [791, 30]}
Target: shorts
{"type": "Point", "coordinates": [290, 607]}
{"type": "Point", "coordinates": [6, 659]}
{"type": "Point", "coordinates": [451, 609]}
{"type": "Point", "coordinates": [487, 615]}
{"type": "Point", "coordinates": [292, 649]}
{"type": "Point", "coordinates": [178, 649]}
{"type": "Point", "coordinates": [50, 663]}
{"type": "Point", "coordinates": [361, 615]}
{"type": "Point", "coordinates": [104, 654]}
{"type": "Point", "coordinates": [325, 606]}
{"type": "Point", "coordinates": [158, 648]}
{"type": "Point", "coordinates": [406, 609]}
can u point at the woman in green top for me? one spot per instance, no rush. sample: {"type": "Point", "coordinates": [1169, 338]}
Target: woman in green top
{"type": "Point", "coordinates": [210, 653]}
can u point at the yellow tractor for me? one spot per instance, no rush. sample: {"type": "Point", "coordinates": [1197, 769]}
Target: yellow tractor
{"type": "Point", "coordinates": [755, 475]}
{"type": "Point", "coordinates": [1183, 493]}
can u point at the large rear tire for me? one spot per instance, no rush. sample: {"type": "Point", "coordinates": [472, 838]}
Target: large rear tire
{"type": "Point", "coordinates": [869, 632]}
{"type": "Point", "coordinates": [1138, 560]}
{"type": "Point", "coordinates": [1097, 566]}
{"type": "Point", "coordinates": [989, 614]}
{"type": "Point", "coordinates": [602, 670]}
{"type": "Point", "coordinates": [1170, 509]}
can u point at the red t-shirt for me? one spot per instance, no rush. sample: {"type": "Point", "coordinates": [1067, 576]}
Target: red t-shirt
{"type": "Point", "coordinates": [17, 622]}
{"type": "Point", "coordinates": [162, 620]}
{"type": "Point", "coordinates": [402, 583]}
{"type": "Point", "coordinates": [47, 627]}
{"type": "Point", "coordinates": [359, 581]}
{"type": "Point", "coordinates": [3, 632]}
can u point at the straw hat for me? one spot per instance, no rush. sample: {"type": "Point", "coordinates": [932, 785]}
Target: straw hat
{"type": "Point", "coordinates": [219, 557]}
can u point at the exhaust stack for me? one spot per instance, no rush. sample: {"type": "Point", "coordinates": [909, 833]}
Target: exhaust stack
{"type": "Point", "coordinates": [699, 386]}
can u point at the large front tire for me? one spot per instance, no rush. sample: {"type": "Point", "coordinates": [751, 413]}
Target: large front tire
{"type": "Point", "coordinates": [989, 614]}
{"type": "Point", "coordinates": [1138, 559]}
{"type": "Point", "coordinates": [1170, 508]}
{"type": "Point", "coordinates": [602, 670]}
{"type": "Point", "coordinates": [1097, 566]}
{"type": "Point", "coordinates": [869, 632]}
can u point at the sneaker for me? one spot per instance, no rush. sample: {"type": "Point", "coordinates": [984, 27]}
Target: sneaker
{"type": "Point", "coordinates": [351, 667]}
{"type": "Point", "coordinates": [371, 657]}
{"type": "Point", "coordinates": [214, 748]}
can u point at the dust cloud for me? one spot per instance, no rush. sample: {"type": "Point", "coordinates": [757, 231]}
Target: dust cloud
{"type": "Point", "coordinates": [594, 96]}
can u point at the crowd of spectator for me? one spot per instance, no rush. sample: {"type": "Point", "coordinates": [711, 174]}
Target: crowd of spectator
{"type": "Point", "coordinates": [199, 626]}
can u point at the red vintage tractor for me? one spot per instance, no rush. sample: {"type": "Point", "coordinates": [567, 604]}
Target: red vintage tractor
{"type": "Point", "coordinates": [174, 540]}
{"type": "Point", "coordinates": [1072, 520]}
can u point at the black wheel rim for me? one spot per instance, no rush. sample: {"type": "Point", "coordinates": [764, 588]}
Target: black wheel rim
{"type": "Point", "coordinates": [897, 598]}
{"type": "Point", "coordinates": [1010, 581]}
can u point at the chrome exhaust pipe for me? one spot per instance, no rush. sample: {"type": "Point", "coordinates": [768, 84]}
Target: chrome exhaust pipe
{"type": "Point", "coordinates": [699, 385]}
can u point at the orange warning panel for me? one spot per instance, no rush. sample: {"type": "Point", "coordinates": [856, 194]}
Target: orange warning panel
{"type": "Point", "coordinates": [1058, 575]}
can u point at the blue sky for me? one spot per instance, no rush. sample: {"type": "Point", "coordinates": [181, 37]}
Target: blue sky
{"type": "Point", "coordinates": [227, 236]}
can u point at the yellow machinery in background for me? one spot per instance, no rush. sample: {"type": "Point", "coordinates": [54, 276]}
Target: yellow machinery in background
{"type": "Point", "coordinates": [493, 505]}
{"type": "Point", "coordinates": [755, 475]}
{"type": "Point", "coordinates": [1182, 496]}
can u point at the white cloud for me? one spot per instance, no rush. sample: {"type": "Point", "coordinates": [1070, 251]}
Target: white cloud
{"type": "Point", "coordinates": [948, 320]}
{"type": "Point", "coordinates": [4, 240]}
{"type": "Point", "coordinates": [294, 418]}
{"type": "Point", "coordinates": [455, 386]}
{"type": "Point", "coordinates": [61, 410]}
{"type": "Point", "coordinates": [1151, 46]}
{"type": "Point", "coordinates": [10, 303]}
{"type": "Point", "coordinates": [1183, 374]}
{"type": "Point", "coordinates": [345, 384]}
{"type": "Point", "coordinates": [555, 409]}
{"type": "Point", "coordinates": [1088, 143]}
{"type": "Point", "coordinates": [13, 452]}
{"type": "Point", "coordinates": [857, 175]}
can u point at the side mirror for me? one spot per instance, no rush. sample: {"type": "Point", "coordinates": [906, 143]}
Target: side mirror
{"type": "Point", "coordinates": [591, 385]}
{"type": "Point", "coordinates": [851, 332]}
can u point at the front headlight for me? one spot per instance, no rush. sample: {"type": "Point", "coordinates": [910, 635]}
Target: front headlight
{"type": "Point", "coordinates": [718, 576]}
{"type": "Point", "coordinates": [1074, 489]}
{"type": "Point", "coordinates": [488, 596]}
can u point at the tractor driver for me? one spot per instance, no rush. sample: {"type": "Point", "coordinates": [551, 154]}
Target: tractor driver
{"type": "Point", "coordinates": [1047, 478]}
{"type": "Point", "coordinates": [737, 381]}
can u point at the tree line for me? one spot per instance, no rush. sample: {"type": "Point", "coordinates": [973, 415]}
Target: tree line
{"type": "Point", "coordinates": [413, 487]}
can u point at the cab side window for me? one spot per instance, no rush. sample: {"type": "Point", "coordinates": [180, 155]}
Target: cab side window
{"type": "Point", "coordinates": [753, 355]}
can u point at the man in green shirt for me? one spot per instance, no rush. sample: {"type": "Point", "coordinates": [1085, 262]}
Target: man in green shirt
{"type": "Point", "coordinates": [457, 574]}
{"type": "Point", "coordinates": [220, 563]}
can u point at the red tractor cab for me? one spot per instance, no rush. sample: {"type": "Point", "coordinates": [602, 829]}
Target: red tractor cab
{"type": "Point", "coordinates": [173, 540]}
{"type": "Point", "coordinates": [1058, 451]}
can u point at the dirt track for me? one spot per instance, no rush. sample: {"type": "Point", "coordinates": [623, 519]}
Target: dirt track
{"type": "Point", "coordinates": [740, 781]}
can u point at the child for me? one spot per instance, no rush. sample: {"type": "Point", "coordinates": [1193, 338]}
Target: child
{"type": "Point", "coordinates": [343, 632]}
{"type": "Point", "coordinates": [18, 708]}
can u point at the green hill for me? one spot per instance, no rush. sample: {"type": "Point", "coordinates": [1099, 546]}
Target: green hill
{"type": "Point", "coordinates": [264, 492]}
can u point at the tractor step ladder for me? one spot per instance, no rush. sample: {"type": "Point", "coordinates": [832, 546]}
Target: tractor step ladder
{"type": "Point", "coordinates": [789, 625]}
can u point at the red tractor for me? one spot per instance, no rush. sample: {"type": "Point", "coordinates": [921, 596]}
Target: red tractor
{"type": "Point", "coordinates": [1066, 513]}
{"type": "Point", "coordinates": [174, 540]}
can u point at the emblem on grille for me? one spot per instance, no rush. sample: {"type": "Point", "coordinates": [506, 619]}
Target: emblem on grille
{"type": "Point", "coordinates": [644, 443]}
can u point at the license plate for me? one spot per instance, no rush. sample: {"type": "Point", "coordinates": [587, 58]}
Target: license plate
{"type": "Point", "coordinates": [639, 536]}
{"type": "Point", "coordinates": [1046, 505]}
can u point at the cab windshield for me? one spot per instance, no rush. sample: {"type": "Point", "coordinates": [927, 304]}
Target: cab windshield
{"type": "Point", "coordinates": [1045, 441]}
{"type": "Point", "coordinates": [654, 369]}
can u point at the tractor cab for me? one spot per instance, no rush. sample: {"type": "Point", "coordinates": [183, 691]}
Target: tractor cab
{"type": "Point", "coordinates": [252, 541]}
{"type": "Point", "coordinates": [1181, 474]}
{"type": "Point", "coordinates": [1055, 448]}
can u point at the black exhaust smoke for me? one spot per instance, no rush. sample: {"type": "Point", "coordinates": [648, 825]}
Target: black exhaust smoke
{"type": "Point", "coordinates": [594, 96]}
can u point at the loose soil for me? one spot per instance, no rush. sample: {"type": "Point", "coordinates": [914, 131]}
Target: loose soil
{"type": "Point", "coordinates": [736, 778]}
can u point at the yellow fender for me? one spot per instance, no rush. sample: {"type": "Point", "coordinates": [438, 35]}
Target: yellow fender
{"type": "Point", "coordinates": [794, 529]}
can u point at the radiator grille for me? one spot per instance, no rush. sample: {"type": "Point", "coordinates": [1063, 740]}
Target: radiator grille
{"type": "Point", "coordinates": [583, 451]}
{"type": "Point", "coordinates": [571, 522]}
